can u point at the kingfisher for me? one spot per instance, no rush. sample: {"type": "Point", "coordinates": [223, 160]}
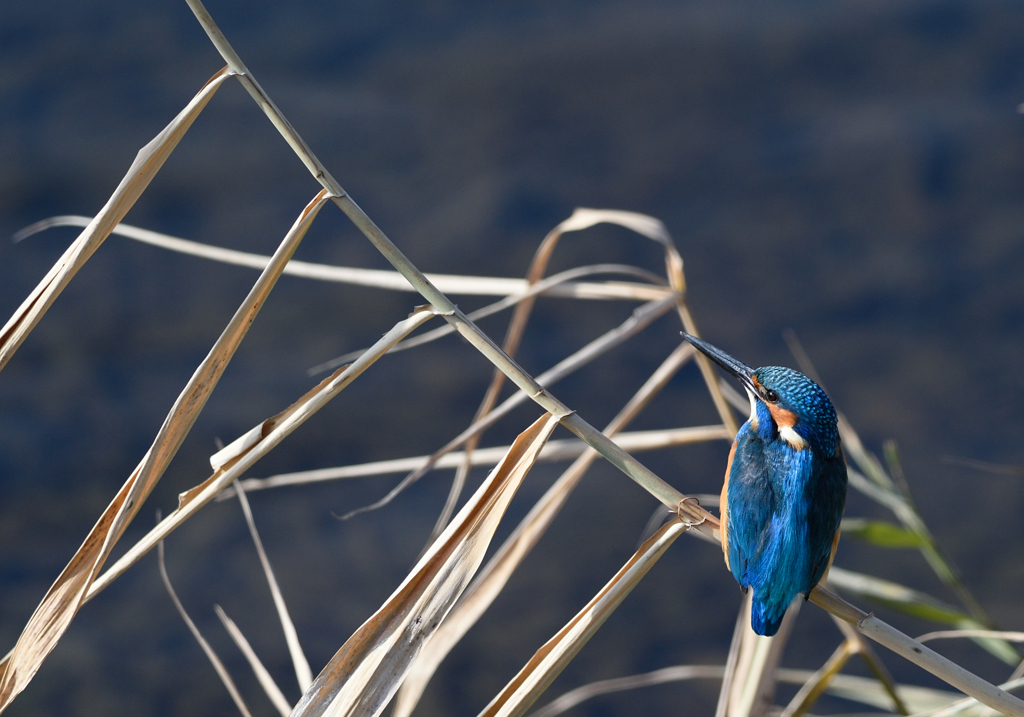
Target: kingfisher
{"type": "Point", "coordinates": [785, 488]}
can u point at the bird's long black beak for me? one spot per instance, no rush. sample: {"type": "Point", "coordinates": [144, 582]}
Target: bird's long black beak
{"type": "Point", "coordinates": [733, 365]}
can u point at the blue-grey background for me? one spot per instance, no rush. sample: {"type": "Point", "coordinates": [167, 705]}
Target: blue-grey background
{"type": "Point", "coordinates": [851, 170]}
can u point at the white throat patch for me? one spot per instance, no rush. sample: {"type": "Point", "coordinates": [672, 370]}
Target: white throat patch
{"type": "Point", "coordinates": [792, 437]}
{"type": "Point", "coordinates": [753, 408]}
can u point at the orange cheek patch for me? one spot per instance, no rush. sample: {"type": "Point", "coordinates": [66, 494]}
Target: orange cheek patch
{"type": "Point", "coordinates": [785, 420]}
{"type": "Point", "coordinates": [782, 417]}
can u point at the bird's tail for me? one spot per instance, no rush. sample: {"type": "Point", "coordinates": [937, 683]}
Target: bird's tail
{"type": "Point", "coordinates": [766, 617]}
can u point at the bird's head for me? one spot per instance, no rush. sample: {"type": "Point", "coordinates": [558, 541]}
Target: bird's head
{"type": "Point", "coordinates": [782, 400]}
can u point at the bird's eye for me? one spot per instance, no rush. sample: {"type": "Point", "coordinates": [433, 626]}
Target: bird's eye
{"type": "Point", "coordinates": [771, 396]}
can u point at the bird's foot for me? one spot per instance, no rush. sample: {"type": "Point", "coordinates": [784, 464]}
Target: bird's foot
{"type": "Point", "coordinates": [689, 512]}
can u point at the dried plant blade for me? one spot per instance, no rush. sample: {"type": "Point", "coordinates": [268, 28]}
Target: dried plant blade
{"type": "Point", "coordinates": [584, 218]}
{"type": "Point", "coordinates": [736, 645]}
{"type": "Point", "coordinates": [811, 690]}
{"type": "Point", "coordinates": [278, 428]}
{"type": "Point", "coordinates": [262, 676]}
{"type": "Point", "coordinates": [1008, 635]}
{"type": "Point", "coordinates": [676, 673]}
{"type": "Point", "coordinates": [753, 684]}
{"type": "Point", "coordinates": [866, 690]}
{"type": "Point", "coordinates": [147, 163]}
{"type": "Point", "coordinates": [984, 466]}
{"type": "Point", "coordinates": [553, 286]}
{"type": "Point", "coordinates": [391, 280]}
{"type": "Point", "coordinates": [554, 451]}
{"type": "Point", "coordinates": [302, 672]}
{"type": "Point", "coordinates": [58, 607]}
{"type": "Point", "coordinates": [549, 661]}
{"type": "Point", "coordinates": [493, 577]}
{"type": "Point", "coordinates": [364, 674]}
{"type": "Point", "coordinates": [856, 689]}
{"type": "Point", "coordinates": [969, 703]}
{"type": "Point", "coordinates": [210, 654]}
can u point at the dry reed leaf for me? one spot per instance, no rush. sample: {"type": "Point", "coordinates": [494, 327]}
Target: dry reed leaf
{"type": "Point", "coordinates": [548, 662]}
{"type": "Point", "coordinates": [750, 683]}
{"type": "Point", "coordinates": [492, 579]}
{"type": "Point", "coordinates": [811, 690]}
{"type": "Point", "coordinates": [559, 281]}
{"type": "Point", "coordinates": [868, 691]}
{"type": "Point", "coordinates": [556, 281]}
{"type": "Point", "coordinates": [230, 456]}
{"type": "Point", "coordinates": [733, 657]}
{"type": "Point", "coordinates": [972, 705]}
{"type": "Point", "coordinates": [391, 280]}
{"type": "Point", "coordinates": [584, 218]}
{"type": "Point", "coordinates": [676, 673]}
{"type": "Point", "coordinates": [364, 674]}
{"type": "Point", "coordinates": [279, 427]}
{"type": "Point", "coordinates": [277, 697]}
{"type": "Point", "coordinates": [58, 607]}
{"type": "Point", "coordinates": [863, 690]}
{"type": "Point", "coordinates": [1008, 635]}
{"type": "Point", "coordinates": [302, 672]}
{"type": "Point", "coordinates": [555, 451]}
{"type": "Point", "coordinates": [147, 163]}
{"type": "Point", "coordinates": [210, 654]}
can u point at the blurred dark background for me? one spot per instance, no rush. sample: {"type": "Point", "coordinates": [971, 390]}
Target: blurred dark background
{"type": "Point", "coordinates": [851, 170]}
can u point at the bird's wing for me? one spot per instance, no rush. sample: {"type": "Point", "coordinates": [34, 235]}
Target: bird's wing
{"type": "Point", "coordinates": [751, 501]}
{"type": "Point", "coordinates": [828, 497]}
